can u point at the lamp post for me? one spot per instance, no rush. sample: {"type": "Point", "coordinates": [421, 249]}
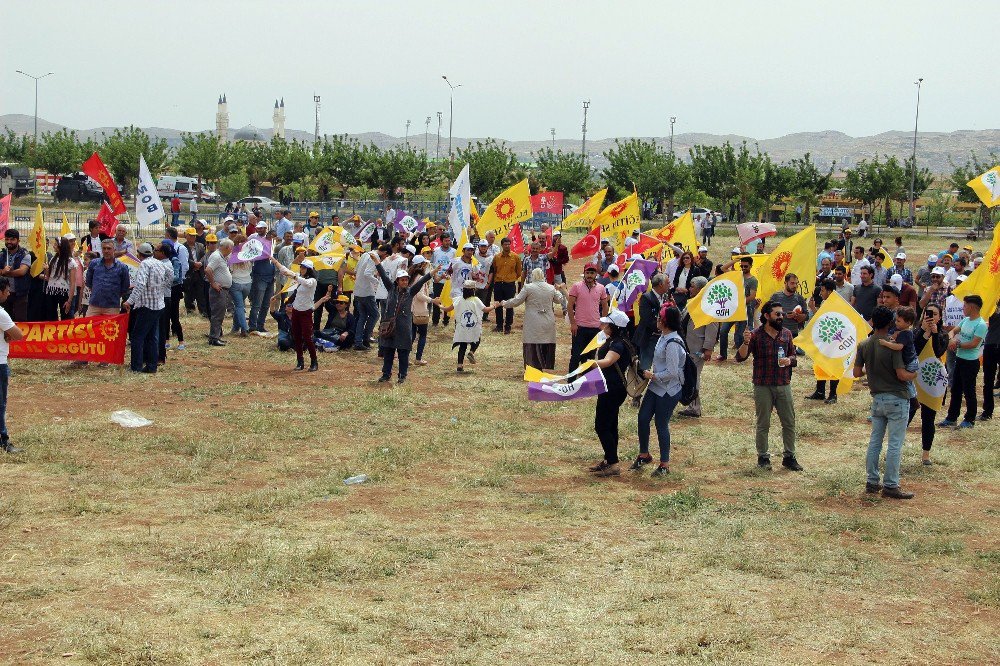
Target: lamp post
{"type": "Point", "coordinates": [583, 146]}
{"type": "Point", "coordinates": [553, 130]}
{"type": "Point", "coordinates": [437, 153]}
{"type": "Point", "coordinates": [451, 112]}
{"type": "Point", "coordinates": [673, 119]}
{"type": "Point", "coordinates": [407, 134]}
{"type": "Point", "coordinates": [427, 133]}
{"type": "Point", "coordinates": [913, 159]}
{"type": "Point", "coordinates": [37, 79]}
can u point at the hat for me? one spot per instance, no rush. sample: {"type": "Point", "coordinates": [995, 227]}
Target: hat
{"type": "Point", "coordinates": [635, 232]}
{"type": "Point", "coordinates": [961, 278]}
{"type": "Point", "coordinates": [299, 237]}
{"type": "Point", "coordinates": [342, 299]}
{"type": "Point", "coordinates": [356, 248]}
{"type": "Point", "coordinates": [557, 233]}
{"type": "Point", "coordinates": [469, 284]}
{"type": "Point", "coordinates": [427, 248]}
{"type": "Point", "coordinates": [261, 225]}
{"type": "Point", "coordinates": [146, 250]}
{"type": "Point", "coordinates": [613, 268]}
{"type": "Point", "coordinates": [938, 270]}
{"type": "Point", "coordinates": [901, 255]}
{"type": "Point", "coordinates": [300, 249]}
{"type": "Point", "coordinates": [483, 242]}
{"type": "Point", "coordinates": [211, 238]}
{"type": "Point", "coordinates": [896, 281]}
{"type": "Point", "coordinates": [418, 260]}
{"type": "Point", "coordinates": [468, 246]}
{"type": "Point", "coordinates": [968, 247]}
{"type": "Point", "coordinates": [848, 231]}
{"type": "Point", "coordinates": [702, 249]}
{"type": "Point", "coordinates": [401, 274]}
{"type": "Point", "coordinates": [191, 231]}
{"type": "Point", "coordinates": [932, 258]}
{"type": "Point", "coordinates": [616, 317]}
{"type": "Point", "coordinates": [590, 267]}
{"type": "Point", "coordinates": [430, 225]}
{"type": "Point", "coordinates": [314, 214]}
{"type": "Point", "coordinates": [229, 218]}
{"type": "Point", "coordinates": [232, 228]}
{"type": "Point", "coordinates": [736, 250]}
{"type": "Point", "coordinates": [889, 288]}
{"type": "Point", "coordinates": [307, 263]}
{"type": "Point", "coordinates": [410, 249]}
{"type": "Point", "coordinates": [70, 236]}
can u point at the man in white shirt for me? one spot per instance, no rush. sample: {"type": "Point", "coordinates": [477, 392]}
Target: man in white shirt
{"type": "Point", "coordinates": [10, 332]}
{"type": "Point", "coordinates": [193, 207]}
{"type": "Point", "coordinates": [494, 249]}
{"type": "Point", "coordinates": [441, 260]}
{"type": "Point", "coordinates": [859, 262]}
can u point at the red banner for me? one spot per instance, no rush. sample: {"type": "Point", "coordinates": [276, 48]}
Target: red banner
{"type": "Point", "coordinates": [98, 339]}
{"type": "Point", "coordinates": [107, 219]}
{"type": "Point", "coordinates": [516, 239]}
{"type": "Point", "coordinates": [5, 213]}
{"type": "Point", "coordinates": [547, 202]}
{"type": "Point", "coordinates": [95, 168]}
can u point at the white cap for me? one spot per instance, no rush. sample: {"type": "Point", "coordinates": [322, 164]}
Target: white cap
{"type": "Point", "coordinates": [70, 236]}
{"type": "Point", "coordinates": [233, 227]}
{"type": "Point", "coordinates": [261, 225]}
{"type": "Point", "coordinates": [299, 237]}
{"type": "Point", "coordinates": [229, 218]}
{"type": "Point", "coordinates": [938, 270]}
{"type": "Point", "coordinates": [417, 260]}
{"type": "Point", "coordinates": [307, 263]}
{"type": "Point", "coordinates": [896, 281]}
{"type": "Point", "coordinates": [469, 284]}
{"type": "Point", "coordinates": [613, 268]}
{"type": "Point", "coordinates": [401, 274]}
{"type": "Point", "coordinates": [483, 242]}
{"type": "Point", "coordinates": [557, 233]}
{"type": "Point", "coordinates": [932, 258]}
{"type": "Point", "coordinates": [616, 317]}
{"type": "Point", "coordinates": [410, 249]}
{"type": "Point", "coordinates": [901, 255]}
{"type": "Point", "coordinates": [961, 278]}
{"type": "Point", "coordinates": [703, 249]}
{"type": "Point", "coordinates": [468, 246]}
{"type": "Point", "coordinates": [737, 250]}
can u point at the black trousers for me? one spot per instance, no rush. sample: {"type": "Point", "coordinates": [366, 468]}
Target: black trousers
{"type": "Point", "coordinates": [176, 294]}
{"type": "Point", "coordinates": [964, 386]}
{"type": "Point", "coordinates": [991, 359]}
{"type": "Point", "coordinates": [329, 308]}
{"type": "Point", "coordinates": [485, 296]}
{"type": "Point", "coordinates": [582, 338]}
{"type": "Point", "coordinates": [927, 416]}
{"type": "Point", "coordinates": [504, 291]}
{"type": "Point", "coordinates": [195, 294]}
{"type": "Point", "coordinates": [606, 422]}
{"type": "Point", "coordinates": [436, 311]}
{"type": "Point", "coordinates": [161, 348]}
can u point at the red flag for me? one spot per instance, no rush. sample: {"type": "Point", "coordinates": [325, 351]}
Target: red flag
{"type": "Point", "coordinates": [107, 219]}
{"type": "Point", "coordinates": [644, 243]}
{"type": "Point", "coordinates": [588, 245]}
{"type": "Point", "coordinates": [547, 202]}
{"type": "Point", "coordinates": [5, 212]}
{"type": "Point", "coordinates": [516, 239]}
{"type": "Point", "coordinates": [100, 339]}
{"type": "Point", "coordinates": [95, 168]}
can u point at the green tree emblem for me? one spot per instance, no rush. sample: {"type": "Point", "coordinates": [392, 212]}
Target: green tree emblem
{"type": "Point", "coordinates": [831, 329]}
{"type": "Point", "coordinates": [720, 294]}
{"type": "Point", "coordinates": [930, 373]}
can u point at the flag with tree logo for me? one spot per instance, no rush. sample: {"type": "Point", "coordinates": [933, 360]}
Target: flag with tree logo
{"type": "Point", "coordinates": [987, 187]}
{"type": "Point", "coordinates": [832, 336]}
{"type": "Point", "coordinates": [932, 378]}
{"type": "Point", "coordinates": [722, 299]}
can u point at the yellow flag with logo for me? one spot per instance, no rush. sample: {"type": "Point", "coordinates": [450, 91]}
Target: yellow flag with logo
{"type": "Point", "coordinates": [535, 375]}
{"type": "Point", "coordinates": [832, 336]}
{"type": "Point", "coordinates": [324, 241]}
{"type": "Point", "coordinates": [987, 187]}
{"type": "Point", "coordinates": [619, 220]}
{"type": "Point", "coordinates": [796, 254]}
{"type": "Point", "coordinates": [446, 301]}
{"type": "Point", "coordinates": [38, 243]}
{"type": "Point", "coordinates": [722, 299]}
{"type": "Point", "coordinates": [583, 217]}
{"type": "Point", "coordinates": [932, 378]}
{"type": "Point", "coordinates": [327, 262]}
{"type": "Point", "coordinates": [985, 280]}
{"type": "Point", "coordinates": [680, 232]}
{"type": "Point", "coordinates": [513, 206]}
{"type": "Point", "coordinates": [65, 230]}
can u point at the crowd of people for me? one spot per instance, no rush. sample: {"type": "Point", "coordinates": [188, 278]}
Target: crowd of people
{"type": "Point", "coordinates": [388, 294]}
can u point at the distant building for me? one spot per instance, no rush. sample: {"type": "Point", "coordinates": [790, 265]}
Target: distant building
{"type": "Point", "coordinates": [222, 119]}
{"type": "Point", "coordinates": [279, 119]}
{"type": "Point", "coordinates": [248, 132]}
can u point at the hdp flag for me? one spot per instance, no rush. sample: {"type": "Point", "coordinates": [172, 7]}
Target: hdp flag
{"type": "Point", "coordinates": [535, 375]}
{"type": "Point", "coordinates": [985, 280]}
{"type": "Point", "coordinates": [679, 232]}
{"type": "Point", "coordinates": [635, 281]}
{"type": "Point", "coordinates": [254, 249]}
{"type": "Point", "coordinates": [596, 343]}
{"type": "Point", "coordinates": [619, 220]}
{"type": "Point", "coordinates": [365, 233]}
{"type": "Point", "coordinates": [331, 239]}
{"type": "Point", "coordinates": [588, 245]}
{"type": "Point", "coordinates": [583, 217]}
{"type": "Point", "coordinates": [588, 385]}
{"type": "Point", "coordinates": [461, 203]}
{"type": "Point", "coordinates": [987, 187]}
{"type": "Point", "coordinates": [38, 244]}
{"type": "Point", "coordinates": [832, 336]}
{"type": "Point", "coordinates": [796, 254]}
{"type": "Point", "coordinates": [327, 262]}
{"type": "Point", "coordinates": [408, 225]}
{"type": "Point", "coordinates": [513, 206]}
{"type": "Point", "coordinates": [722, 299]}
{"type": "Point", "coordinates": [932, 378]}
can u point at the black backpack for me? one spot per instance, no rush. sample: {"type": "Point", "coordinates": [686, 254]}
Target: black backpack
{"type": "Point", "coordinates": [689, 386]}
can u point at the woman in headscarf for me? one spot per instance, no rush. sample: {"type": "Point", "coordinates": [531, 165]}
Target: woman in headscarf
{"type": "Point", "coordinates": [395, 331]}
{"type": "Point", "coordinates": [928, 331]}
{"type": "Point", "coordinates": [539, 337]}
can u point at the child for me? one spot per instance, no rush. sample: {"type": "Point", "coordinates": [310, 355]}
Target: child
{"type": "Point", "coordinates": [468, 323]}
{"type": "Point", "coordinates": [902, 341]}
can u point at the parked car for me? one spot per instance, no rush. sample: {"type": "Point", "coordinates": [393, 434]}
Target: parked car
{"type": "Point", "coordinates": [695, 212]}
{"type": "Point", "coordinates": [78, 187]}
{"type": "Point", "coordinates": [267, 205]}
{"type": "Point", "coordinates": [185, 188]}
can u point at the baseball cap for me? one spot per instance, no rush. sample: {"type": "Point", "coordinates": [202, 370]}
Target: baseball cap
{"type": "Point", "coordinates": [418, 260]}
{"type": "Point", "coordinates": [146, 250]}
{"type": "Point", "coordinates": [314, 214]}
{"type": "Point", "coordinates": [590, 267]}
{"type": "Point", "coordinates": [401, 274]}
{"type": "Point", "coordinates": [896, 281]}
{"type": "Point", "coordinates": [70, 236]}
{"type": "Point", "coordinates": [961, 278]}
{"type": "Point", "coordinates": [469, 284]}
{"type": "Point", "coordinates": [427, 249]}
{"type": "Point", "coordinates": [261, 225]}
{"type": "Point", "coordinates": [616, 317]}
{"type": "Point", "coordinates": [299, 237]}
{"type": "Point", "coordinates": [410, 249]}
{"type": "Point", "coordinates": [211, 238]}
{"type": "Point", "coordinates": [931, 258]}
{"type": "Point", "coordinates": [702, 249]}
{"type": "Point", "coordinates": [191, 232]}
{"type": "Point", "coordinates": [300, 249]}
{"type": "Point", "coordinates": [889, 288]}
{"type": "Point", "coordinates": [938, 270]}
{"type": "Point", "coordinates": [736, 250]}
{"type": "Point", "coordinates": [307, 263]}
{"type": "Point", "coordinates": [468, 246]}
{"type": "Point", "coordinates": [901, 255]}
{"type": "Point", "coordinates": [557, 233]}
{"type": "Point", "coordinates": [483, 242]}
{"type": "Point", "coordinates": [232, 228]}
{"type": "Point", "coordinates": [343, 299]}
{"type": "Point", "coordinates": [229, 218]}
{"type": "Point", "coordinates": [848, 231]}
{"type": "Point", "coordinates": [613, 269]}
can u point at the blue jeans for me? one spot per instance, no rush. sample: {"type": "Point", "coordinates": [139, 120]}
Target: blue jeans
{"type": "Point", "coordinates": [889, 412]}
{"type": "Point", "coordinates": [260, 297]}
{"type": "Point", "coordinates": [239, 293]}
{"type": "Point", "coordinates": [420, 335]}
{"type": "Point", "coordinates": [145, 339]}
{"type": "Point", "coordinates": [367, 315]}
{"type": "Point", "coordinates": [658, 408]}
{"type": "Point", "coordinates": [4, 380]}
{"type": "Point", "coordinates": [388, 353]}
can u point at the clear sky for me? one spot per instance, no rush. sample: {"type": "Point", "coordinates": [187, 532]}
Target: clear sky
{"type": "Point", "coordinates": [761, 69]}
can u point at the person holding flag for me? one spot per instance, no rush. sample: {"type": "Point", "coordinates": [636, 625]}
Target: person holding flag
{"type": "Point", "coordinates": [616, 356]}
{"type": "Point", "coordinates": [302, 310]}
{"type": "Point", "coordinates": [928, 331]}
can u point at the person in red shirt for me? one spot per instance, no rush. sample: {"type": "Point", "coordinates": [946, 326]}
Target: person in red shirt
{"type": "Point", "coordinates": [558, 257]}
{"type": "Point", "coordinates": [175, 210]}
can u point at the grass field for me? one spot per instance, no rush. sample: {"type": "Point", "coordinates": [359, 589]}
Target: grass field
{"type": "Point", "coordinates": [224, 533]}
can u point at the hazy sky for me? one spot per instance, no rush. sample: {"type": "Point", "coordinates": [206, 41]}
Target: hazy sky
{"type": "Point", "coordinates": [762, 69]}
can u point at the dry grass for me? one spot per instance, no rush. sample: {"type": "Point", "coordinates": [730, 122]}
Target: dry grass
{"type": "Point", "coordinates": [224, 534]}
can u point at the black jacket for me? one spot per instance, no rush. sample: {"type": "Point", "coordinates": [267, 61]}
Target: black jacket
{"type": "Point", "coordinates": [645, 330]}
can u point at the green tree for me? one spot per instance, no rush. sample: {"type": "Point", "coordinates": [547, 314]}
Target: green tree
{"type": "Point", "coordinates": [654, 172]}
{"type": "Point", "coordinates": [890, 182]}
{"type": "Point", "coordinates": [120, 153]}
{"type": "Point", "coordinates": [251, 158]}
{"type": "Point", "coordinates": [777, 182]}
{"type": "Point", "coordinates": [57, 153]}
{"type": "Point", "coordinates": [862, 182]}
{"type": "Point", "coordinates": [342, 160]}
{"type": "Point", "coordinates": [713, 171]}
{"type": "Point", "coordinates": [562, 172]}
{"type": "Point", "coordinates": [962, 174]}
{"type": "Point", "coordinates": [492, 167]}
{"type": "Point", "coordinates": [14, 147]}
{"type": "Point", "coordinates": [809, 183]}
{"type": "Point", "coordinates": [395, 168]}
{"type": "Point", "coordinates": [205, 157]}
{"type": "Point", "coordinates": [289, 162]}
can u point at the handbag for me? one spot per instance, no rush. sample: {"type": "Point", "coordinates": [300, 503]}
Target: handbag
{"type": "Point", "coordinates": [421, 320]}
{"type": "Point", "coordinates": [387, 327]}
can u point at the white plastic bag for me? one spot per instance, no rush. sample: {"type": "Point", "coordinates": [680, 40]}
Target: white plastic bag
{"type": "Point", "coordinates": [127, 419]}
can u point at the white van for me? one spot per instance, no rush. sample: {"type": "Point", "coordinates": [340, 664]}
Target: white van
{"type": "Point", "coordinates": [184, 187]}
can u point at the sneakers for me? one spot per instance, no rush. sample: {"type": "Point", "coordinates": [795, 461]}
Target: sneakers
{"type": "Point", "coordinates": [872, 488]}
{"type": "Point", "coordinates": [896, 493]}
{"type": "Point", "coordinates": [597, 467]}
{"type": "Point", "coordinates": [609, 470]}
{"type": "Point", "coordinates": [764, 462]}
{"type": "Point", "coordinates": [789, 462]}
{"type": "Point", "coordinates": [639, 462]}
{"type": "Point", "coordinates": [832, 400]}
{"type": "Point", "coordinates": [383, 380]}
{"type": "Point", "coordinates": [660, 471]}
{"type": "Point", "coordinates": [966, 424]}
{"type": "Point", "coordinates": [472, 357]}
{"type": "Point", "coordinates": [947, 423]}
{"type": "Point", "coordinates": [7, 447]}
{"type": "Point", "coordinates": [314, 366]}
{"type": "Point", "coordinates": [421, 362]}
{"type": "Point", "coordinates": [816, 395]}
{"type": "Point", "coordinates": [985, 417]}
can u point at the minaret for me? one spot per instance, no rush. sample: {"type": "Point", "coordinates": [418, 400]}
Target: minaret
{"type": "Point", "coordinates": [222, 119]}
{"type": "Point", "coordinates": [279, 119]}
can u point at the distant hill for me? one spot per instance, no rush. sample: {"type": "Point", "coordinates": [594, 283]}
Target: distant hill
{"type": "Point", "coordinates": [826, 147]}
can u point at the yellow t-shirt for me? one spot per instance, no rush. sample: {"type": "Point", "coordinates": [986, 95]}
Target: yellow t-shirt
{"type": "Point", "coordinates": [352, 264]}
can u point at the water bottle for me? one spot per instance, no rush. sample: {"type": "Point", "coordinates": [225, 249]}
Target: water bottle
{"type": "Point", "coordinates": [781, 355]}
{"type": "Point", "coordinates": [352, 480]}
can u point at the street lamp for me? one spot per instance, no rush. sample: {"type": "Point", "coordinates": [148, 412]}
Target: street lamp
{"type": "Point", "coordinates": [407, 134]}
{"type": "Point", "coordinates": [437, 153]}
{"type": "Point", "coordinates": [451, 111]}
{"type": "Point", "coordinates": [673, 119]}
{"type": "Point", "coordinates": [427, 133]}
{"type": "Point", "coordinates": [553, 130]}
{"type": "Point", "coordinates": [37, 79]}
{"type": "Point", "coordinates": [913, 159]}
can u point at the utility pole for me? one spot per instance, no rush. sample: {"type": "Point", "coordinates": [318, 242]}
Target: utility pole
{"type": "Point", "coordinates": [913, 159]}
{"type": "Point", "coordinates": [451, 114]}
{"type": "Point", "coordinates": [583, 148]}
{"type": "Point", "coordinates": [37, 79]}
{"type": "Point", "coordinates": [427, 133]}
{"type": "Point", "coordinates": [407, 134]}
{"type": "Point", "coordinates": [673, 119]}
{"type": "Point", "coordinates": [316, 132]}
{"type": "Point", "coordinates": [553, 130]}
{"type": "Point", "coordinates": [437, 154]}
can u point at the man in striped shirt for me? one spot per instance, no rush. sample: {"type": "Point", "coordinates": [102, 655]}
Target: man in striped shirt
{"type": "Point", "coordinates": [145, 304]}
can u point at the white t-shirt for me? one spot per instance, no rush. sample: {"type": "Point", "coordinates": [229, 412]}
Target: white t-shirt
{"type": "Point", "coordinates": [481, 273]}
{"type": "Point", "coordinates": [6, 323]}
{"type": "Point", "coordinates": [468, 316]}
{"type": "Point", "coordinates": [951, 278]}
{"type": "Point", "coordinates": [460, 272]}
{"type": "Point", "coordinates": [390, 266]}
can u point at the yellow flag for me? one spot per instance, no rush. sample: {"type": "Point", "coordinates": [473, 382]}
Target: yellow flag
{"type": "Point", "coordinates": [680, 232]}
{"type": "Point", "coordinates": [535, 375]}
{"type": "Point", "coordinates": [331, 239]}
{"type": "Point", "coordinates": [288, 286]}
{"type": "Point", "coordinates": [758, 261]}
{"type": "Point", "coordinates": [446, 294]}
{"type": "Point", "coordinates": [619, 220]}
{"type": "Point", "coordinates": [932, 378]}
{"type": "Point", "coordinates": [722, 299]}
{"type": "Point", "coordinates": [513, 206]}
{"type": "Point", "coordinates": [596, 343]}
{"type": "Point", "coordinates": [38, 244]}
{"type": "Point", "coordinates": [327, 262]}
{"type": "Point", "coordinates": [846, 380]}
{"type": "Point", "coordinates": [796, 254]}
{"type": "Point", "coordinates": [985, 280]}
{"type": "Point", "coordinates": [65, 227]}
{"type": "Point", "coordinates": [987, 187]}
{"type": "Point", "coordinates": [583, 217]}
{"type": "Point", "coordinates": [832, 336]}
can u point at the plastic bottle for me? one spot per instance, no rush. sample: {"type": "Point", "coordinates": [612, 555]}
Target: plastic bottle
{"type": "Point", "coordinates": [781, 355]}
{"type": "Point", "coordinates": [352, 480]}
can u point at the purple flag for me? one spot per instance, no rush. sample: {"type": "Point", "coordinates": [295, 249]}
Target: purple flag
{"type": "Point", "coordinates": [407, 224]}
{"type": "Point", "coordinates": [585, 386]}
{"type": "Point", "coordinates": [635, 282]}
{"type": "Point", "coordinates": [254, 249]}
{"type": "Point", "coordinates": [365, 234]}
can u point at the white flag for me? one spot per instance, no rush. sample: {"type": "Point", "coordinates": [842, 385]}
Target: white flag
{"type": "Point", "coordinates": [461, 199]}
{"type": "Point", "coordinates": [148, 207]}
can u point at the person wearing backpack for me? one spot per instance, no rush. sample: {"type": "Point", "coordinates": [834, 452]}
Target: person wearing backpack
{"type": "Point", "coordinates": [666, 379]}
{"type": "Point", "coordinates": [615, 359]}
{"type": "Point", "coordinates": [701, 340]}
